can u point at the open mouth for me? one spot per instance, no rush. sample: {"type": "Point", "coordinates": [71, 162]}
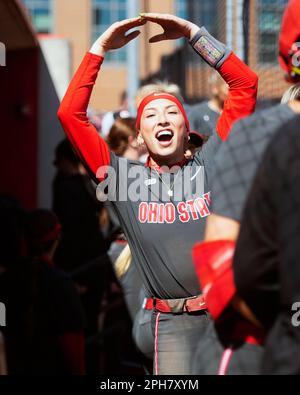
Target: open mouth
{"type": "Point", "coordinates": [164, 136]}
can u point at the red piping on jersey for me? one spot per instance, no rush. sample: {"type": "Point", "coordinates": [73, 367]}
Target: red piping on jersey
{"type": "Point", "coordinates": [225, 360]}
{"type": "Point", "coordinates": [245, 332]}
{"type": "Point", "coordinates": [156, 344]}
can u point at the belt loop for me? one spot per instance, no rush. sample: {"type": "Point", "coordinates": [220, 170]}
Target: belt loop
{"type": "Point", "coordinates": [154, 301]}
{"type": "Point", "coordinates": [144, 303]}
{"type": "Point", "coordinates": [184, 306]}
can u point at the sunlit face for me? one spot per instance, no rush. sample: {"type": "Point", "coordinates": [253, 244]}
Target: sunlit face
{"type": "Point", "coordinates": [164, 131]}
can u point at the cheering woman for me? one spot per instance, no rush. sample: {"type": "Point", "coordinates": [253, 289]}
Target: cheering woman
{"type": "Point", "coordinates": [165, 215]}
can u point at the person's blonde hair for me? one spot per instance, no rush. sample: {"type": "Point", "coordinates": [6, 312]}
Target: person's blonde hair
{"type": "Point", "coordinates": [215, 79]}
{"type": "Point", "coordinates": [158, 87]}
{"type": "Point", "coordinates": [292, 93]}
{"type": "Point", "coordinates": [123, 262]}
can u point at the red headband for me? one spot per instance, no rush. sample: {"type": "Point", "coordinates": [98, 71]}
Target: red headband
{"type": "Point", "coordinates": [156, 96]}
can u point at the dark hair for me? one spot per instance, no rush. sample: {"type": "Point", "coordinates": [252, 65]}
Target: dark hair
{"type": "Point", "coordinates": [119, 134]}
{"type": "Point", "coordinates": [41, 231]}
{"type": "Point", "coordinates": [64, 150]}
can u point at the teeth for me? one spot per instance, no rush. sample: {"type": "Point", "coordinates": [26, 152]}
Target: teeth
{"type": "Point", "coordinates": [165, 133]}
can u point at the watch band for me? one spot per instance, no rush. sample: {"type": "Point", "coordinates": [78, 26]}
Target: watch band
{"type": "Point", "coordinates": [210, 49]}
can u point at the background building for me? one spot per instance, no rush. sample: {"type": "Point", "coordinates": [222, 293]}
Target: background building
{"type": "Point", "coordinates": [28, 105]}
{"type": "Point", "coordinates": [250, 26]}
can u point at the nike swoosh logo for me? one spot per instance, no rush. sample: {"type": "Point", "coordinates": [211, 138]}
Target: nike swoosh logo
{"type": "Point", "coordinates": [196, 173]}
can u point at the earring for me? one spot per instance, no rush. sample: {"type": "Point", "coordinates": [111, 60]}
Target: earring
{"type": "Point", "coordinates": [140, 140]}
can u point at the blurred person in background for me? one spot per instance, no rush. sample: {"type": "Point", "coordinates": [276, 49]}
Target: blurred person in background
{"type": "Point", "coordinates": [230, 299]}
{"type": "Point", "coordinates": [111, 116]}
{"type": "Point", "coordinates": [122, 139]}
{"type": "Point", "coordinates": [236, 165]}
{"type": "Point", "coordinates": [203, 116]}
{"type": "Point", "coordinates": [82, 242]}
{"type": "Point", "coordinates": [44, 334]}
{"type": "Point", "coordinates": [95, 117]}
{"type": "Point", "coordinates": [77, 208]}
{"type": "Point", "coordinates": [266, 262]}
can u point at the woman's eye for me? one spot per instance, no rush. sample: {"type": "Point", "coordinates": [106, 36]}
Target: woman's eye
{"type": "Point", "coordinates": [173, 112]}
{"type": "Point", "coordinates": [149, 115]}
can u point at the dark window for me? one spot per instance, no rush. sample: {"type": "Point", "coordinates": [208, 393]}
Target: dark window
{"type": "Point", "coordinates": [41, 14]}
{"type": "Point", "coordinates": [105, 13]}
{"type": "Point", "coordinates": [269, 14]}
{"type": "Point", "coordinates": [202, 13]}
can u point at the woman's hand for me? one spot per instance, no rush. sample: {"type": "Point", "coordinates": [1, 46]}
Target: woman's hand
{"type": "Point", "coordinates": [115, 36]}
{"type": "Point", "coordinates": [174, 27]}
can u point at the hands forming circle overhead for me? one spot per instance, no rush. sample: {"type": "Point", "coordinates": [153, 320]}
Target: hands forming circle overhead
{"type": "Point", "coordinates": [173, 27]}
{"type": "Point", "coordinates": [118, 35]}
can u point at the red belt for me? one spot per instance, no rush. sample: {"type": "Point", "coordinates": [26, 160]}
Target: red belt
{"type": "Point", "coordinates": [196, 303]}
{"type": "Point", "coordinates": [148, 304]}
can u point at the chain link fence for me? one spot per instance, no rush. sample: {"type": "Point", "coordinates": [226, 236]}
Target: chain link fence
{"type": "Point", "coordinates": [249, 27]}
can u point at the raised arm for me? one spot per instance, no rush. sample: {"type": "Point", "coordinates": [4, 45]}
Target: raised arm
{"type": "Point", "coordinates": [91, 148]}
{"type": "Point", "coordinates": [241, 79]}
{"type": "Point", "coordinates": [241, 100]}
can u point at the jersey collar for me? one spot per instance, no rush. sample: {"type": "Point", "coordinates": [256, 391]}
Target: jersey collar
{"type": "Point", "coordinates": [158, 168]}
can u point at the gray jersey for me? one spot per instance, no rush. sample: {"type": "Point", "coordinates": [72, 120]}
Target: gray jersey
{"type": "Point", "coordinates": [239, 157]}
{"type": "Point", "coordinates": [162, 230]}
